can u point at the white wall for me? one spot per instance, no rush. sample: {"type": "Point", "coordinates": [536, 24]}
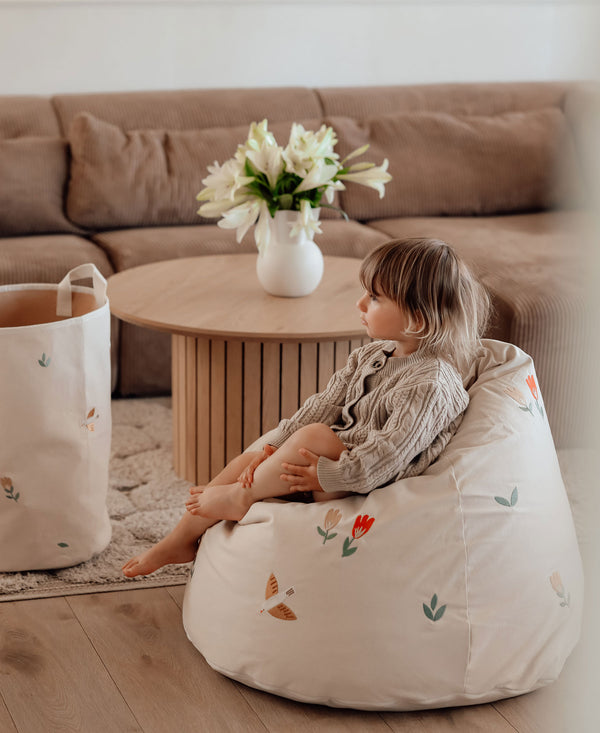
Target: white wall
{"type": "Point", "coordinates": [49, 46]}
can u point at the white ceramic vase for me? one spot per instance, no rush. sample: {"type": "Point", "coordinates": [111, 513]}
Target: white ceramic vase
{"type": "Point", "coordinates": [289, 266]}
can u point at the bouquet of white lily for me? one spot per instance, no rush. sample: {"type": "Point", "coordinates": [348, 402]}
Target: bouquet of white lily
{"type": "Point", "coordinates": [263, 178]}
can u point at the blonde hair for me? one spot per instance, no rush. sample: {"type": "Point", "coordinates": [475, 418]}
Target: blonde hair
{"type": "Point", "coordinates": [447, 308]}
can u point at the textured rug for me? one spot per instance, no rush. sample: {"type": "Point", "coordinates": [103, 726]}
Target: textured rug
{"type": "Point", "coordinates": [145, 500]}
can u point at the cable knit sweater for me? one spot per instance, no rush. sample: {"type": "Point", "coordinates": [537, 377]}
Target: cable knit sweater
{"type": "Point", "coordinates": [395, 415]}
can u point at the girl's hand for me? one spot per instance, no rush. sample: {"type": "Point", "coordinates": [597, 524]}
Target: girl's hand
{"type": "Point", "coordinates": [247, 475]}
{"type": "Point", "coordinates": [303, 478]}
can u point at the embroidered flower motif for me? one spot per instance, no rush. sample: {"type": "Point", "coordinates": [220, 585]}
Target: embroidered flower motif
{"type": "Point", "coordinates": [430, 611]}
{"type": "Point", "coordinates": [533, 388]}
{"type": "Point", "coordinates": [332, 519]}
{"type": "Point", "coordinates": [44, 361]}
{"type": "Point", "coordinates": [559, 589]}
{"type": "Point", "coordinates": [9, 489]}
{"type": "Point", "coordinates": [519, 398]}
{"type": "Point", "coordinates": [362, 524]}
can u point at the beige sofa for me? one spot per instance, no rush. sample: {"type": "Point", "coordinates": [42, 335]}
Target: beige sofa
{"type": "Point", "coordinates": [492, 168]}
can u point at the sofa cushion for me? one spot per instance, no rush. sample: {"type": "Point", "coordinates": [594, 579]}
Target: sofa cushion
{"type": "Point", "coordinates": [26, 116]}
{"type": "Point", "coordinates": [146, 177]}
{"type": "Point", "coordinates": [33, 171]}
{"type": "Point", "coordinates": [534, 266]}
{"type": "Point", "coordinates": [446, 164]}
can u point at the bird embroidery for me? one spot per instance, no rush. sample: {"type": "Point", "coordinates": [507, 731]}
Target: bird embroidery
{"type": "Point", "coordinates": [274, 601]}
{"type": "Point", "coordinates": [92, 415]}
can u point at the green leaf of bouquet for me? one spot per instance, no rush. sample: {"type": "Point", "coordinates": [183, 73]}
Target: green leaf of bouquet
{"type": "Point", "coordinates": [427, 611]}
{"type": "Point", "coordinates": [502, 500]}
{"type": "Point", "coordinates": [439, 613]}
{"type": "Point", "coordinates": [434, 600]}
{"type": "Point", "coordinates": [321, 532]}
{"type": "Point", "coordinates": [514, 497]}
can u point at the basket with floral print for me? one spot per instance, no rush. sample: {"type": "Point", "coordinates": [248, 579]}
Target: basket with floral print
{"type": "Point", "coordinates": [55, 396]}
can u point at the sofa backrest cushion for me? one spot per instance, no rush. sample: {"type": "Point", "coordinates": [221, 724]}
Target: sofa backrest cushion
{"type": "Point", "coordinates": [33, 174]}
{"type": "Point", "coordinates": [457, 165]}
{"type": "Point", "coordinates": [146, 177]}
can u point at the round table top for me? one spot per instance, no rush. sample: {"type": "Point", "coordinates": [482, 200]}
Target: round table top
{"type": "Point", "coordinates": [219, 296]}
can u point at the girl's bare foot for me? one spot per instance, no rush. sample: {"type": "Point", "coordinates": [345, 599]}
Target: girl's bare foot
{"type": "Point", "coordinates": [167, 551]}
{"type": "Point", "coordinates": [230, 501]}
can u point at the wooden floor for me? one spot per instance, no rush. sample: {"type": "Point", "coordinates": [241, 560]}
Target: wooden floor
{"type": "Point", "coordinates": [120, 662]}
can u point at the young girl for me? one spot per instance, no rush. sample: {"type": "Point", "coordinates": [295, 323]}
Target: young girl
{"type": "Point", "coordinates": [386, 415]}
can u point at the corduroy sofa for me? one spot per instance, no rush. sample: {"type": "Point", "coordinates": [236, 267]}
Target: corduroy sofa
{"type": "Point", "coordinates": [494, 169]}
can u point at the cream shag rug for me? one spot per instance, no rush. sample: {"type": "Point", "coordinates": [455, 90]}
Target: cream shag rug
{"type": "Point", "coordinates": [145, 500]}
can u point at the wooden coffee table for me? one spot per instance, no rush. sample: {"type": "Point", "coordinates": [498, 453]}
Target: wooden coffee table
{"type": "Point", "coordinates": [241, 359]}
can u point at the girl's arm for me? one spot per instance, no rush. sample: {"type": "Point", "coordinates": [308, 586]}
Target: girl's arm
{"type": "Point", "coordinates": [424, 415]}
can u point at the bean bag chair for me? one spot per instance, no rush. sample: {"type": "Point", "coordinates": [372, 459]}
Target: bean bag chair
{"type": "Point", "coordinates": [462, 585]}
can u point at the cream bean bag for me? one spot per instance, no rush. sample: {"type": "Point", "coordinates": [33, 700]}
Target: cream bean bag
{"type": "Point", "coordinates": [459, 586]}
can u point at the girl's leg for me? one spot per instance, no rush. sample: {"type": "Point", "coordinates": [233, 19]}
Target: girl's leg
{"type": "Point", "coordinates": [181, 544]}
{"type": "Point", "coordinates": [233, 501]}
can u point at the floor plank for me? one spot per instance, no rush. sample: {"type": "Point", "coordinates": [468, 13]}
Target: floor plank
{"type": "Point", "coordinates": [6, 722]}
{"type": "Point", "coordinates": [471, 718]}
{"type": "Point", "coordinates": [280, 714]}
{"type": "Point", "coordinates": [139, 636]}
{"type": "Point", "coordinates": [50, 677]}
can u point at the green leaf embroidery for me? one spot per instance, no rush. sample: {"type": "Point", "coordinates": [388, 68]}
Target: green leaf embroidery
{"type": "Point", "coordinates": [331, 536]}
{"type": "Point", "coordinates": [63, 544]}
{"type": "Point", "coordinates": [321, 532]}
{"type": "Point", "coordinates": [502, 500]}
{"type": "Point", "coordinates": [44, 361]}
{"type": "Point", "coordinates": [514, 497]}
{"type": "Point", "coordinates": [347, 550]}
{"type": "Point", "coordinates": [429, 611]}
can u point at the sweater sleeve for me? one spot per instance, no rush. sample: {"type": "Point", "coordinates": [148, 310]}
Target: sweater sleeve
{"type": "Point", "coordinates": [420, 414]}
{"type": "Point", "coordinates": [323, 407]}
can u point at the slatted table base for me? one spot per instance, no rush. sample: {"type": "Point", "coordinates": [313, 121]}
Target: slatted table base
{"type": "Point", "coordinates": [226, 394]}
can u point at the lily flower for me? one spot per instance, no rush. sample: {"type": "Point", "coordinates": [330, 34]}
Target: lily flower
{"type": "Point", "coordinates": [307, 221]}
{"type": "Point", "coordinates": [320, 174]}
{"type": "Point", "coordinates": [262, 232]}
{"type": "Point", "coordinates": [267, 159]}
{"type": "Point", "coordinates": [241, 217]}
{"type": "Point", "coordinates": [224, 181]}
{"type": "Point", "coordinates": [355, 153]}
{"type": "Point", "coordinates": [374, 177]}
{"type": "Point", "coordinates": [213, 209]}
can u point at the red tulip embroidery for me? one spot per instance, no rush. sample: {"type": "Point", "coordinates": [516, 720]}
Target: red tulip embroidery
{"type": "Point", "coordinates": [362, 524]}
{"type": "Point", "coordinates": [332, 519]}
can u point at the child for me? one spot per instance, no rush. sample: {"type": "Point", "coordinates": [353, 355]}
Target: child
{"type": "Point", "coordinates": [386, 415]}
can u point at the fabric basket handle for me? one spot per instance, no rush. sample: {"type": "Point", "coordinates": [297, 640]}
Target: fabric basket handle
{"type": "Point", "coordinates": [63, 292]}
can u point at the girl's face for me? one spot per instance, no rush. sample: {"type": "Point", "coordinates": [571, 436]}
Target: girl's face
{"type": "Point", "coordinates": [386, 320]}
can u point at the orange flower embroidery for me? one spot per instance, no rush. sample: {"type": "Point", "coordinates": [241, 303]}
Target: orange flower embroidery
{"type": "Point", "coordinates": [532, 386]}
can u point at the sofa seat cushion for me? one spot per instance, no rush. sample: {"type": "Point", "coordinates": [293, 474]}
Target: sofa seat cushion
{"type": "Point", "coordinates": [534, 268]}
{"type": "Point", "coordinates": [145, 366]}
{"type": "Point", "coordinates": [443, 164]}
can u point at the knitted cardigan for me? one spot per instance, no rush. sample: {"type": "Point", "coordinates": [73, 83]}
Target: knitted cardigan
{"type": "Point", "coordinates": [395, 415]}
